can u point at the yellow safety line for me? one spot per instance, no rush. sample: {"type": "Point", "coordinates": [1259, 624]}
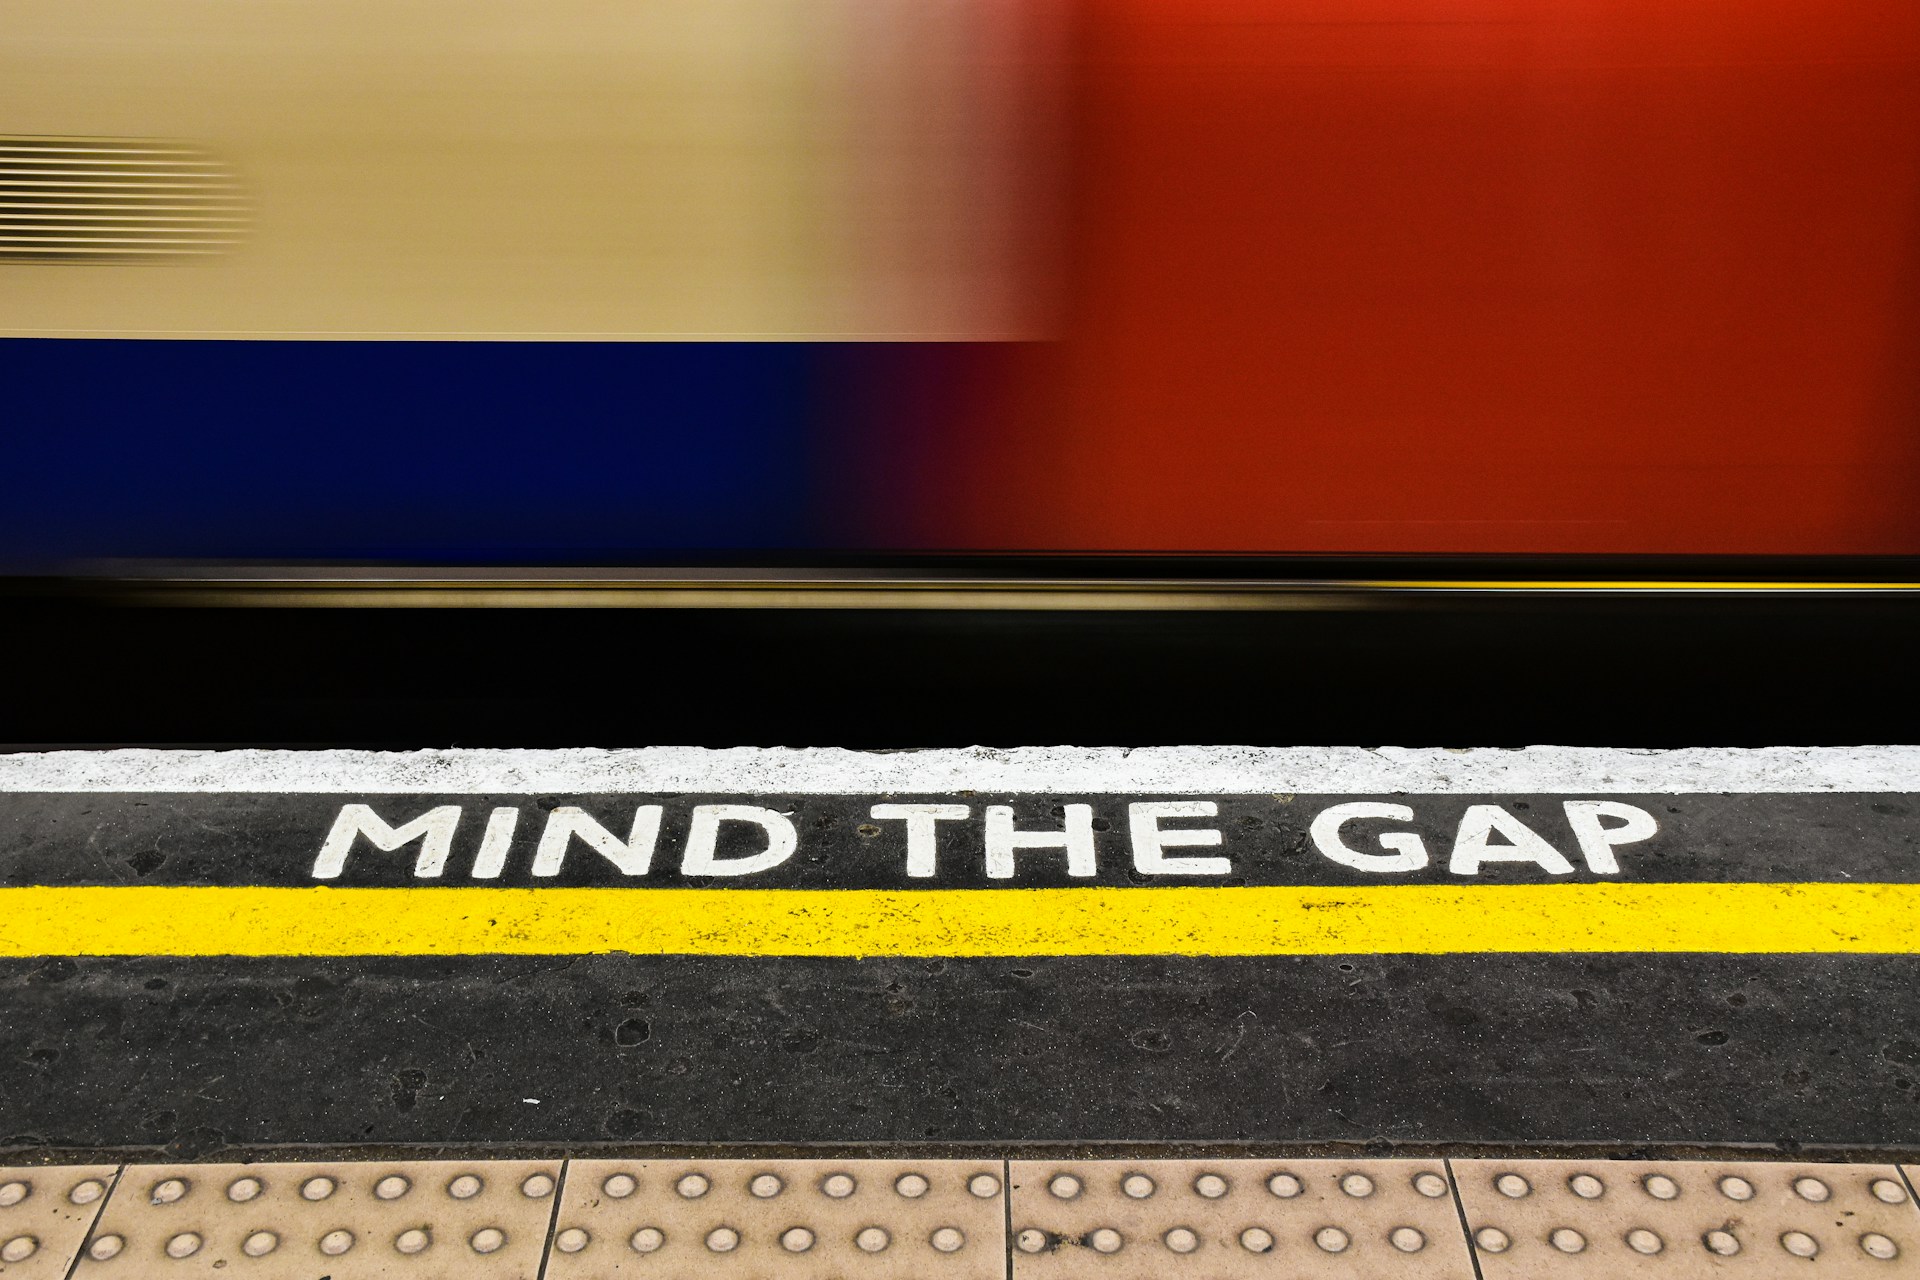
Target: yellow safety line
{"type": "Point", "coordinates": [1598, 584]}
{"type": "Point", "coordinates": [1226, 921]}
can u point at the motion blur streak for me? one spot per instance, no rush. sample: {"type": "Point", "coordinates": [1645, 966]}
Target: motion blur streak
{"type": "Point", "coordinates": [666, 168]}
{"type": "Point", "coordinates": [1486, 275]}
{"type": "Point", "coordinates": [1286, 276]}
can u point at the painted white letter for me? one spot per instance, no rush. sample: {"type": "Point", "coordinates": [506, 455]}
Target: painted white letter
{"type": "Point", "coordinates": [494, 843]}
{"type": "Point", "coordinates": [1597, 842]}
{"type": "Point", "coordinates": [1410, 851]}
{"type": "Point", "coordinates": [434, 830]}
{"type": "Point", "coordinates": [704, 834]}
{"type": "Point", "coordinates": [1471, 850]}
{"type": "Point", "coordinates": [633, 856]}
{"type": "Point", "coordinates": [1150, 842]}
{"type": "Point", "coordinates": [920, 819]}
{"type": "Point", "coordinates": [1077, 840]}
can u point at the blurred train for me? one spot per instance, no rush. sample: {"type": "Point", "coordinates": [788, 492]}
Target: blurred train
{"type": "Point", "coordinates": [585, 281]}
{"type": "Point", "coordinates": [1207, 375]}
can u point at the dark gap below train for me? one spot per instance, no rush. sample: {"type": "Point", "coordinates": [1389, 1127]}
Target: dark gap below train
{"type": "Point", "coordinates": [1632, 670]}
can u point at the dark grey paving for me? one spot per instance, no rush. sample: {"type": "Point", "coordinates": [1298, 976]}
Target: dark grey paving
{"type": "Point", "coordinates": [197, 1056]}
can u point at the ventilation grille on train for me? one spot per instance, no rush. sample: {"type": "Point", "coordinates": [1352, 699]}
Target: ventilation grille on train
{"type": "Point", "coordinates": [110, 199]}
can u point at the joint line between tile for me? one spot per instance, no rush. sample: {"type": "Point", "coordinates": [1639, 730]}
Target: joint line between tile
{"type": "Point", "coordinates": [1460, 1210]}
{"type": "Point", "coordinates": [86, 1237]}
{"type": "Point", "coordinates": [553, 1217]}
{"type": "Point", "coordinates": [1006, 1213]}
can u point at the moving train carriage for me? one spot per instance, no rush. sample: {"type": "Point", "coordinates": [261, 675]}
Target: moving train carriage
{"type": "Point", "coordinates": [437, 437]}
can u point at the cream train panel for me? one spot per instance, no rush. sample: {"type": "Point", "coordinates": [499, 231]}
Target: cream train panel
{"type": "Point", "coordinates": [640, 168]}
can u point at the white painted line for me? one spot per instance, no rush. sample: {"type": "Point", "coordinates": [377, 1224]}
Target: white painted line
{"type": "Point", "coordinates": [1046, 770]}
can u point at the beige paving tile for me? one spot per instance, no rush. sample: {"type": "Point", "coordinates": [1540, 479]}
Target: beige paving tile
{"type": "Point", "coordinates": [1680, 1219]}
{"type": "Point", "coordinates": [430, 1220]}
{"type": "Point", "coordinates": [782, 1220]}
{"type": "Point", "coordinates": [946, 1220]}
{"type": "Point", "coordinates": [1225, 1219]}
{"type": "Point", "coordinates": [44, 1215]}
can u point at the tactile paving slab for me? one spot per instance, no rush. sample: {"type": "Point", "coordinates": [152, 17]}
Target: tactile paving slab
{"type": "Point", "coordinates": [1225, 1219]}
{"type": "Point", "coordinates": [44, 1215]}
{"type": "Point", "coordinates": [934, 1219]}
{"type": "Point", "coordinates": [1553, 1218]}
{"type": "Point", "coordinates": [790, 1219]}
{"type": "Point", "coordinates": [435, 1220]}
